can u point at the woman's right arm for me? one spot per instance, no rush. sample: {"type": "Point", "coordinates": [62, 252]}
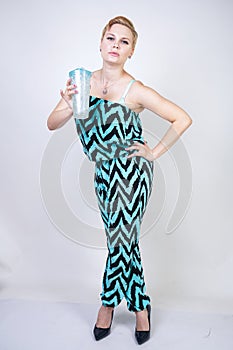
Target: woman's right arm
{"type": "Point", "coordinates": [63, 110]}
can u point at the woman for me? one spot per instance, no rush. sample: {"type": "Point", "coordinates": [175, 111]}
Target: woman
{"type": "Point", "coordinates": [112, 137]}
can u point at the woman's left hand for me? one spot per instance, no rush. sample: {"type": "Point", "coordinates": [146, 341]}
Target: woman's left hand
{"type": "Point", "coordinates": [142, 150]}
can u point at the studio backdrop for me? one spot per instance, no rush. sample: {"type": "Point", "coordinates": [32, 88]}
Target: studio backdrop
{"type": "Point", "coordinates": [52, 238]}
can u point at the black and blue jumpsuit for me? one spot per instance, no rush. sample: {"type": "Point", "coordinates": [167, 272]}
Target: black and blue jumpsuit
{"type": "Point", "coordinates": [122, 186]}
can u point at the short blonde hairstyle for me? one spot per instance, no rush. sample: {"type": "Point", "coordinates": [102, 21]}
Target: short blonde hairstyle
{"type": "Point", "coordinates": [125, 22]}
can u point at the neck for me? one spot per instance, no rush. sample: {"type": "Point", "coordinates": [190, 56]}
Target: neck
{"type": "Point", "coordinates": [110, 74]}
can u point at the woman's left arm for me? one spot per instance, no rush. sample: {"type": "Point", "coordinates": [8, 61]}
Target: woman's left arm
{"type": "Point", "coordinates": [151, 100]}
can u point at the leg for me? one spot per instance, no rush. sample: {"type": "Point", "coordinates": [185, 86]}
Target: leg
{"type": "Point", "coordinates": [123, 188]}
{"type": "Point", "coordinates": [104, 317]}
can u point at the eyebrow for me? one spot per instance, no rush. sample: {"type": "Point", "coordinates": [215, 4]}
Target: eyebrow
{"type": "Point", "coordinates": [124, 37]}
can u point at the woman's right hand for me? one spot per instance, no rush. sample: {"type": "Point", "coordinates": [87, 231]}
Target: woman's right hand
{"type": "Point", "coordinates": [69, 92]}
{"type": "Point", "coordinates": [64, 109]}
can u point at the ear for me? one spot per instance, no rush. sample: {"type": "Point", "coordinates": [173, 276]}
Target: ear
{"type": "Point", "coordinates": [100, 44]}
{"type": "Point", "coordinates": [131, 54]}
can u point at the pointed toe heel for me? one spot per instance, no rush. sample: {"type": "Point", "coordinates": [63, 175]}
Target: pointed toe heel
{"type": "Point", "coordinates": [101, 333]}
{"type": "Point", "coordinates": [143, 336]}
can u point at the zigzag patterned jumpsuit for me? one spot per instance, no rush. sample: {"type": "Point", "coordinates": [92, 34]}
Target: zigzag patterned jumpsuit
{"type": "Point", "coordinates": [123, 187]}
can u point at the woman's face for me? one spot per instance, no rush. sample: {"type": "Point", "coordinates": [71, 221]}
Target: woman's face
{"type": "Point", "coordinates": [116, 45]}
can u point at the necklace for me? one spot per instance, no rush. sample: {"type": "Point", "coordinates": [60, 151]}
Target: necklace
{"type": "Point", "coordinates": [106, 86]}
{"type": "Point", "coordinates": [105, 90]}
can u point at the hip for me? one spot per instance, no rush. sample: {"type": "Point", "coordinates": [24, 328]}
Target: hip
{"type": "Point", "coordinates": [123, 169]}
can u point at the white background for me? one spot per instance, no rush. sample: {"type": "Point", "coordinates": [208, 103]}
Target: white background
{"type": "Point", "coordinates": [184, 52]}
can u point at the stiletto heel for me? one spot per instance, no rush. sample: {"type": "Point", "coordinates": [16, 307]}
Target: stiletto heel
{"type": "Point", "coordinates": [101, 333]}
{"type": "Point", "coordinates": [143, 336]}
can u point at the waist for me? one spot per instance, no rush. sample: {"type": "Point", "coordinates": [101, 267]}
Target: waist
{"type": "Point", "coordinates": [110, 150]}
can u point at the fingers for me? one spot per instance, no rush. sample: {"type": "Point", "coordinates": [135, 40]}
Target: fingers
{"type": "Point", "coordinates": [140, 150]}
{"type": "Point", "coordinates": [70, 90]}
{"type": "Point", "coordinates": [68, 82]}
{"type": "Point", "coordinates": [69, 85]}
{"type": "Point", "coordinates": [66, 99]}
{"type": "Point", "coordinates": [131, 148]}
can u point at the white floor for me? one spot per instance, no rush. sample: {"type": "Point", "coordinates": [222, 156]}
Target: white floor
{"type": "Point", "coordinates": [39, 325]}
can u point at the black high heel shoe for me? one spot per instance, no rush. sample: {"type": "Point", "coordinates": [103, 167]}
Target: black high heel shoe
{"type": "Point", "coordinates": [101, 333]}
{"type": "Point", "coordinates": [143, 336]}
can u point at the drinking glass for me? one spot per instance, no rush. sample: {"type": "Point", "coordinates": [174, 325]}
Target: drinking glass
{"type": "Point", "coordinates": [81, 78]}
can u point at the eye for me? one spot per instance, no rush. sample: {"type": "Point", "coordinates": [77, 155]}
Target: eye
{"type": "Point", "coordinates": [110, 38]}
{"type": "Point", "coordinates": [125, 42]}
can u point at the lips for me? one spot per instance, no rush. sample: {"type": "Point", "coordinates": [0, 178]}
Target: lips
{"type": "Point", "coordinates": [115, 54]}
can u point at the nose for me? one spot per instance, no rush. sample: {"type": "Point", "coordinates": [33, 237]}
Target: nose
{"type": "Point", "coordinates": [116, 45]}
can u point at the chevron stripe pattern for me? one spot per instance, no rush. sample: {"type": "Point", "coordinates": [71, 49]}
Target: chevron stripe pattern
{"type": "Point", "coordinates": [123, 187]}
{"type": "Point", "coordinates": [108, 130]}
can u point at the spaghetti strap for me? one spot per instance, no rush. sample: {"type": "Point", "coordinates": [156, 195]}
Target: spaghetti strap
{"type": "Point", "coordinates": [122, 99]}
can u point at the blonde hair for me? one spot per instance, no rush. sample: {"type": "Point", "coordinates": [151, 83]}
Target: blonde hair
{"type": "Point", "coordinates": [123, 21]}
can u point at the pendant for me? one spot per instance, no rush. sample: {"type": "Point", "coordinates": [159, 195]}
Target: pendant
{"type": "Point", "coordinates": [105, 91]}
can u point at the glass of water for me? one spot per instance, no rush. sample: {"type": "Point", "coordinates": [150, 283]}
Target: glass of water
{"type": "Point", "coordinates": [81, 78]}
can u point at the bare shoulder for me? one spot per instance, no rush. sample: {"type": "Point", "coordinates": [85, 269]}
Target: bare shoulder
{"type": "Point", "coordinates": [141, 95]}
{"type": "Point", "coordinates": [140, 89]}
{"type": "Point", "coordinates": [148, 98]}
{"type": "Point", "coordinates": [132, 95]}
